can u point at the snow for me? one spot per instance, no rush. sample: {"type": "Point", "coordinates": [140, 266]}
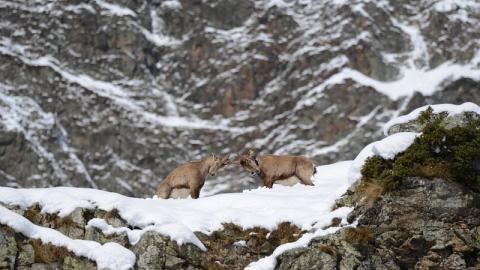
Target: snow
{"type": "Point", "coordinates": [121, 96]}
{"type": "Point", "coordinates": [451, 109]}
{"type": "Point", "coordinates": [24, 115]}
{"type": "Point", "coordinates": [386, 148]}
{"type": "Point", "coordinates": [453, 5]}
{"type": "Point", "coordinates": [171, 4]}
{"type": "Point", "coordinates": [412, 80]}
{"type": "Point", "coordinates": [269, 262]}
{"type": "Point", "coordinates": [109, 255]}
{"type": "Point", "coordinates": [306, 206]}
{"type": "Point", "coordinates": [116, 10]}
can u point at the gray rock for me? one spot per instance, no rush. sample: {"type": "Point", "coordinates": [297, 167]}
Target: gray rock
{"type": "Point", "coordinates": [449, 122]}
{"type": "Point", "coordinates": [74, 263]}
{"type": "Point", "coordinates": [43, 266]}
{"type": "Point", "coordinates": [297, 259]}
{"type": "Point", "coordinates": [26, 256]}
{"type": "Point", "coordinates": [150, 251]}
{"type": "Point", "coordinates": [454, 261]}
{"type": "Point", "coordinates": [8, 248]}
{"type": "Point", "coordinates": [422, 224]}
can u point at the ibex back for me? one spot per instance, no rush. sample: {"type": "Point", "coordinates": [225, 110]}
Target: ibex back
{"type": "Point", "coordinates": [271, 168]}
{"type": "Point", "coordinates": [191, 175]}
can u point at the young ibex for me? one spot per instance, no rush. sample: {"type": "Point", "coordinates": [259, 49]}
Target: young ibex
{"type": "Point", "coordinates": [272, 168]}
{"type": "Point", "coordinates": [191, 176]}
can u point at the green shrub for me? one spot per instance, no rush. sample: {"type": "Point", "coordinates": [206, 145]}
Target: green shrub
{"type": "Point", "coordinates": [452, 154]}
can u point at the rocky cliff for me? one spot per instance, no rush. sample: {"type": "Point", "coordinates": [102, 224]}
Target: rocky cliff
{"type": "Point", "coordinates": [115, 94]}
{"type": "Point", "coordinates": [425, 216]}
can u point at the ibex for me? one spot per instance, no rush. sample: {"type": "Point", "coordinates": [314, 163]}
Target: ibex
{"type": "Point", "coordinates": [272, 168]}
{"type": "Point", "coordinates": [191, 176]}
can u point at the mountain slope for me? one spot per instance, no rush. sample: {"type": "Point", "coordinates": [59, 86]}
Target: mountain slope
{"type": "Point", "coordinates": [115, 94]}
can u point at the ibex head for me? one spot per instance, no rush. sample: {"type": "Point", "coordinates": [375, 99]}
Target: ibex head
{"type": "Point", "coordinates": [218, 162]}
{"type": "Point", "coordinates": [249, 162]}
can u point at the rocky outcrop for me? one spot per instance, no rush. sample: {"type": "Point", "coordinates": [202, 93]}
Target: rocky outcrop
{"type": "Point", "coordinates": [229, 248]}
{"type": "Point", "coordinates": [423, 224]}
{"type": "Point", "coordinates": [417, 125]}
{"type": "Point", "coordinates": [420, 222]}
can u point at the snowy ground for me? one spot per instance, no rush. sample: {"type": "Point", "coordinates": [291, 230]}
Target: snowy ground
{"type": "Point", "coordinates": [308, 207]}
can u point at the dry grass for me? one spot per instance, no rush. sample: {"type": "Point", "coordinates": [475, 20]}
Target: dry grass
{"type": "Point", "coordinates": [367, 193]}
{"type": "Point", "coordinates": [48, 253]}
{"type": "Point", "coordinates": [435, 170]}
{"type": "Point", "coordinates": [284, 233]}
{"type": "Point", "coordinates": [358, 236]}
{"type": "Point", "coordinates": [327, 249]}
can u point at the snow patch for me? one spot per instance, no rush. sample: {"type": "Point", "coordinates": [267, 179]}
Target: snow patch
{"type": "Point", "coordinates": [115, 9]}
{"type": "Point", "coordinates": [305, 206]}
{"type": "Point", "coordinates": [451, 109]}
{"type": "Point", "coordinates": [109, 255]}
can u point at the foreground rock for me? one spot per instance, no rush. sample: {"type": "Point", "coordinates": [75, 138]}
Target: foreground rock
{"type": "Point", "coordinates": [424, 224]}
{"type": "Point", "coordinates": [229, 248]}
{"type": "Point", "coordinates": [421, 215]}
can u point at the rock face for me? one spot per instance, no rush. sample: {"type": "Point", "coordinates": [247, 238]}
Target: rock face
{"type": "Point", "coordinates": [425, 224]}
{"type": "Point", "coordinates": [417, 125]}
{"type": "Point", "coordinates": [114, 94]}
{"type": "Point", "coordinates": [229, 248]}
{"type": "Point", "coordinates": [422, 223]}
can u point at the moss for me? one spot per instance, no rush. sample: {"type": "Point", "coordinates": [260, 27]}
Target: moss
{"type": "Point", "coordinates": [360, 236]}
{"type": "Point", "coordinates": [451, 154]}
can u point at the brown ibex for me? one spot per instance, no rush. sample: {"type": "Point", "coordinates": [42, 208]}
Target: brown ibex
{"type": "Point", "coordinates": [191, 176]}
{"type": "Point", "coordinates": [272, 168]}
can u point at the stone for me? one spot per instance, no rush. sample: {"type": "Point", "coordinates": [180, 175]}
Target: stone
{"type": "Point", "coordinates": [150, 251]}
{"type": "Point", "coordinates": [26, 256]}
{"type": "Point", "coordinates": [75, 263]}
{"type": "Point", "coordinates": [8, 248]}
{"type": "Point", "coordinates": [43, 266]}
{"type": "Point", "coordinates": [449, 122]}
{"type": "Point", "coordinates": [298, 259]}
